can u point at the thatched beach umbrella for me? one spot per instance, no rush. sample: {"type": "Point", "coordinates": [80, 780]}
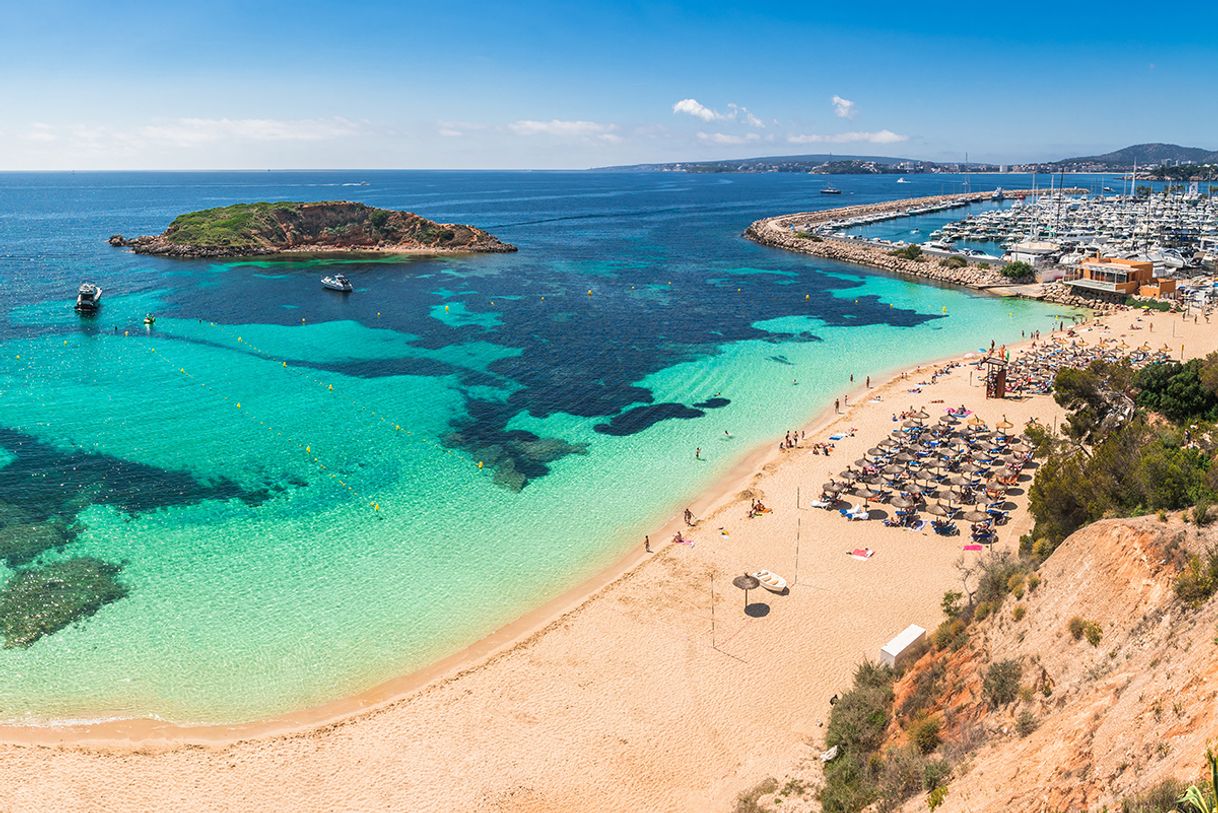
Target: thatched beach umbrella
{"type": "Point", "coordinates": [746, 583]}
{"type": "Point", "coordinates": [975, 516]}
{"type": "Point", "coordinates": [901, 502]}
{"type": "Point", "coordinates": [937, 509]}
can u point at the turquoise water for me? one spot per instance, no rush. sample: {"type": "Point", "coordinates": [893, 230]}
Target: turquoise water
{"type": "Point", "coordinates": [288, 480]}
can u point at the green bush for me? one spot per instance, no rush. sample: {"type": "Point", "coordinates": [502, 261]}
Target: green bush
{"type": "Point", "coordinates": [1077, 626]}
{"type": "Point", "coordinates": [1093, 633]}
{"type": "Point", "coordinates": [1025, 723]}
{"type": "Point", "coordinates": [953, 262]}
{"type": "Point", "coordinates": [1019, 612]}
{"type": "Point", "coordinates": [1001, 683]}
{"type": "Point", "coordinates": [1018, 271]}
{"type": "Point", "coordinates": [1197, 582]}
{"type": "Point", "coordinates": [913, 252]}
{"type": "Point", "coordinates": [924, 733]}
{"type": "Point", "coordinates": [951, 634]}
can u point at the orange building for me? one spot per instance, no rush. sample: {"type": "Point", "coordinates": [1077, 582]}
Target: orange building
{"type": "Point", "coordinates": [1124, 277]}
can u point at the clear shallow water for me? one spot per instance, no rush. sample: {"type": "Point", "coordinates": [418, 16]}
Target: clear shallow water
{"type": "Point", "coordinates": [259, 576]}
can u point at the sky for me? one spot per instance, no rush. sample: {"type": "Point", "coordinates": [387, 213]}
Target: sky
{"type": "Point", "coordinates": [227, 84]}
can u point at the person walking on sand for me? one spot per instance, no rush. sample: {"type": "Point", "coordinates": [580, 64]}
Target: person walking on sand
{"type": "Point", "coordinates": [689, 517]}
{"type": "Point", "coordinates": [647, 544]}
{"type": "Point", "coordinates": [868, 382]}
{"type": "Point", "coordinates": [837, 406]}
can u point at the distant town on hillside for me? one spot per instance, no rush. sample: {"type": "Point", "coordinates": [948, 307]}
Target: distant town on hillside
{"type": "Point", "coordinates": [1152, 161]}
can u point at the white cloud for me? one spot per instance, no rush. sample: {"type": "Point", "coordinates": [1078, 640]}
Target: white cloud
{"type": "Point", "coordinates": [877, 137]}
{"type": "Point", "coordinates": [189, 132]}
{"type": "Point", "coordinates": [738, 113]}
{"type": "Point", "coordinates": [727, 138]}
{"type": "Point", "coordinates": [692, 107]}
{"type": "Point", "coordinates": [610, 138]}
{"type": "Point", "coordinates": [735, 112]}
{"type": "Point", "coordinates": [843, 108]}
{"type": "Point", "coordinates": [450, 132]}
{"type": "Point", "coordinates": [558, 127]}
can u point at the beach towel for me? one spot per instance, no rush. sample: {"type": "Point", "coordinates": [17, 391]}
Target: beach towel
{"type": "Point", "coordinates": [821, 504]}
{"type": "Point", "coordinates": [862, 553]}
{"type": "Point", "coordinates": [838, 436]}
{"type": "Point", "coordinates": [973, 547]}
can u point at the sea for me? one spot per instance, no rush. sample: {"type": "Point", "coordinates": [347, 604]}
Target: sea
{"type": "Point", "coordinates": [276, 495]}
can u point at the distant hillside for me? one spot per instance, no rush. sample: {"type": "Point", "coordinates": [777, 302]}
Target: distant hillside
{"type": "Point", "coordinates": [1144, 155]}
{"type": "Point", "coordinates": [821, 164]}
{"type": "Point", "coordinates": [248, 229]}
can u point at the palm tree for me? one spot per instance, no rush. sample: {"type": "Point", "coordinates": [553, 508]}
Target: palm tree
{"type": "Point", "coordinates": [1197, 800]}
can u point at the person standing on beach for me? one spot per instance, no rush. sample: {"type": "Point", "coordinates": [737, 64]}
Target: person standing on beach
{"type": "Point", "coordinates": [647, 544]}
{"type": "Point", "coordinates": [837, 406]}
{"type": "Point", "coordinates": [868, 382]}
{"type": "Point", "coordinates": [689, 517]}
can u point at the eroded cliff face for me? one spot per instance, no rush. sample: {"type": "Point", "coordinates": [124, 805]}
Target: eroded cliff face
{"type": "Point", "coordinates": [1113, 718]}
{"type": "Point", "coordinates": [273, 228]}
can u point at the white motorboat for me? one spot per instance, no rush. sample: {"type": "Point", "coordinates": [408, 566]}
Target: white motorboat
{"type": "Point", "coordinates": [902, 180]}
{"type": "Point", "coordinates": [770, 581]}
{"type": "Point", "coordinates": [88, 298]}
{"type": "Point", "coordinates": [337, 282]}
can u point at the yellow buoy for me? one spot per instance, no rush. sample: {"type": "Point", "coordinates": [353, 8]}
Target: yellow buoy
{"type": "Point", "coordinates": [807, 297]}
{"type": "Point", "coordinates": [446, 309]}
{"type": "Point", "coordinates": [308, 450]}
{"type": "Point", "coordinates": [479, 464]}
{"type": "Point", "coordinates": [589, 292]}
{"type": "Point", "coordinates": [285, 364]}
{"type": "Point", "coordinates": [125, 333]}
{"type": "Point", "coordinates": [182, 370]}
{"type": "Point", "coordinates": [65, 342]}
{"type": "Point", "coordinates": [376, 507]}
{"type": "Point", "coordinates": [238, 405]}
{"type": "Point", "coordinates": [330, 387]}
{"type": "Point", "coordinates": [238, 340]}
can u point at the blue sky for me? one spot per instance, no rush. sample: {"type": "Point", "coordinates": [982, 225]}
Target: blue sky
{"type": "Point", "coordinates": [222, 84]}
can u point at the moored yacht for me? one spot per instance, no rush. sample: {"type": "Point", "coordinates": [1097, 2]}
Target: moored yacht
{"type": "Point", "coordinates": [88, 298]}
{"type": "Point", "coordinates": [831, 190]}
{"type": "Point", "coordinates": [337, 282]}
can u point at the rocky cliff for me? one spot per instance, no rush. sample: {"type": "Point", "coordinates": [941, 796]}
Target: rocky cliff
{"type": "Point", "coordinates": [251, 229]}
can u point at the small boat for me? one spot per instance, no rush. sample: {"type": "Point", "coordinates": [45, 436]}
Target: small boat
{"type": "Point", "coordinates": [88, 298]}
{"type": "Point", "coordinates": [831, 190]}
{"type": "Point", "coordinates": [998, 195]}
{"type": "Point", "coordinates": [902, 180]}
{"type": "Point", "coordinates": [150, 320]}
{"type": "Point", "coordinates": [337, 282]}
{"type": "Point", "coordinates": [770, 581]}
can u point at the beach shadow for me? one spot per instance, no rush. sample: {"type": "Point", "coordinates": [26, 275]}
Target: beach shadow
{"type": "Point", "coordinates": [757, 610]}
{"type": "Point", "coordinates": [1015, 492]}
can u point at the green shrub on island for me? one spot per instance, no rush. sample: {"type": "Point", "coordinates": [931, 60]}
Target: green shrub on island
{"type": "Point", "coordinates": [954, 262]}
{"type": "Point", "coordinates": [809, 236]}
{"type": "Point", "coordinates": [1018, 271]}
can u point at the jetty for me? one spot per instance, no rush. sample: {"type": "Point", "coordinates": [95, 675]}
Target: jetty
{"type": "Point", "coordinates": [811, 233]}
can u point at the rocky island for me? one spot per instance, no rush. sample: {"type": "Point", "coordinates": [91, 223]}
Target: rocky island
{"type": "Point", "coordinates": [254, 229]}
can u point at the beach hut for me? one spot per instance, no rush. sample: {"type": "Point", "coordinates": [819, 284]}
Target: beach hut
{"type": "Point", "coordinates": [899, 649]}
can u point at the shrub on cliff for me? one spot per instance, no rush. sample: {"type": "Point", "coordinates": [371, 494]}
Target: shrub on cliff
{"type": "Point", "coordinates": [1001, 684]}
{"type": "Point", "coordinates": [954, 262]}
{"type": "Point", "coordinates": [1198, 581]}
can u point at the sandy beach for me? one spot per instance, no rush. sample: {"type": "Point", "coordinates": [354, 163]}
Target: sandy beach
{"type": "Point", "coordinates": [649, 688]}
